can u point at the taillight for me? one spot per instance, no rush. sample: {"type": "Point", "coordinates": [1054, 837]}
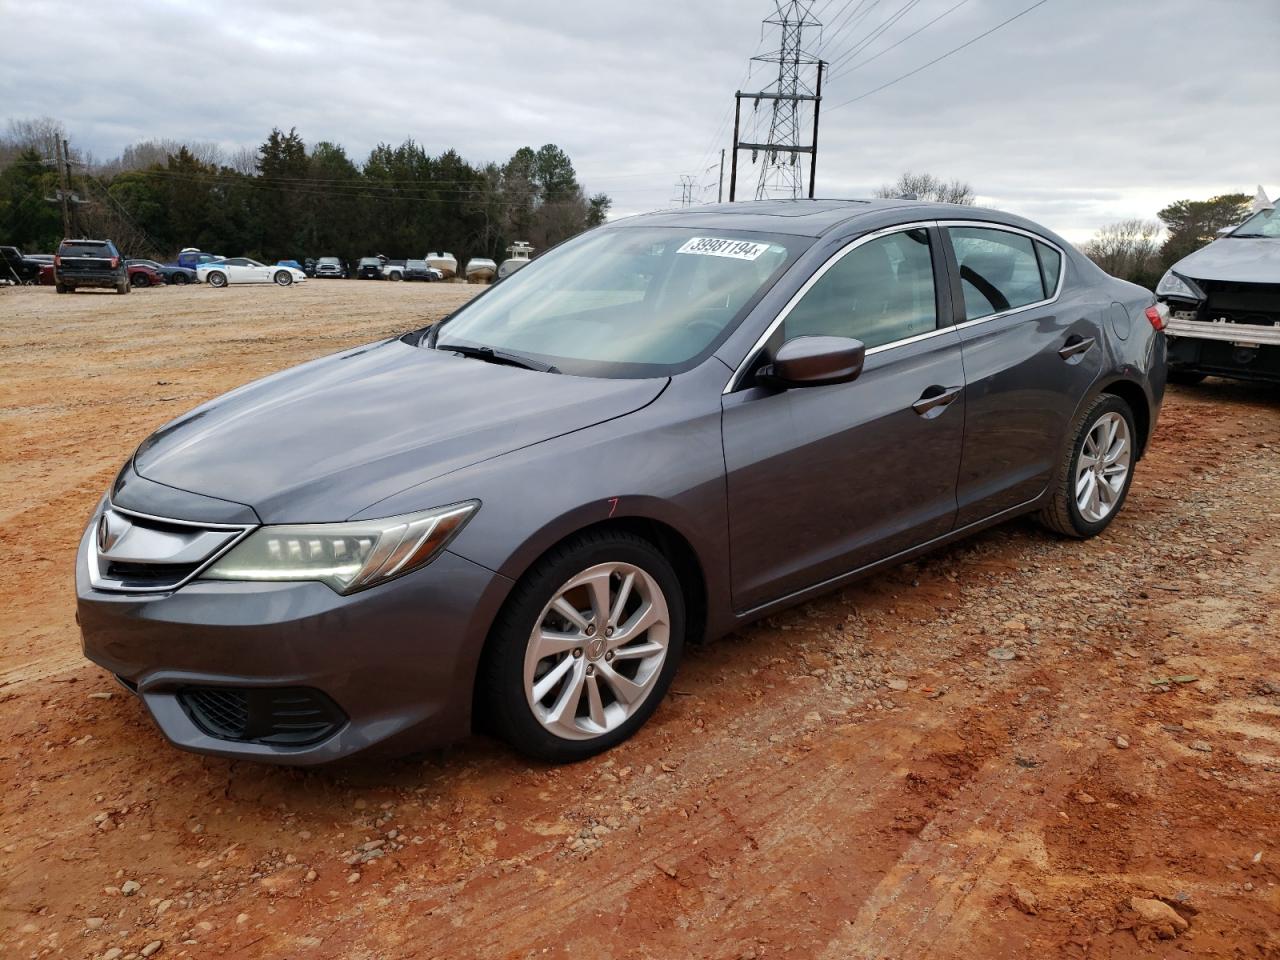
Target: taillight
{"type": "Point", "coordinates": [57, 260]}
{"type": "Point", "coordinates": [115, 262]}
{"type": "Point", "coordinates": [1158, 315]}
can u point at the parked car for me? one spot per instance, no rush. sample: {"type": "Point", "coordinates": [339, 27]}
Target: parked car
{"type": "Point", "coordinates": [89, 263]}
{"type": "Point", "coordinates": [17, 268]}
{"type": "Point", "coordinates": [330, 267]}
{"type": "Point", "coordinates": [421, 270]}
{"type": "Point", "coordinates": [168, 272]}
{"type": "Point", "coordinates": [219, 273]}
{"type": "Point", "coordinates": [191, 257]}
{"type": "Point", "coordinates": [369, 268]}
{"type": "Point", "coordinates": [290, 263]}
{"type": "Point", "coordinates": [143, 275]}
{"type": "Point", "coordinates": [309, 266]}
{"type": "Point", "coordinates": [767, 400]}
{"type": "Point", "coordinates": [1224, 301]}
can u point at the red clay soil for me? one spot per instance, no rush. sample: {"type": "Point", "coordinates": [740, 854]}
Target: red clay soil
{"type": "Point", "coordinates": [1008, 749]}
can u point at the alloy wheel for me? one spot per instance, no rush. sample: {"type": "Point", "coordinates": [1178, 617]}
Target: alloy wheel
{"type": "Point", "coordinates": [596, 651]}
{"type": "Point", "coordinates": [1102, 468]}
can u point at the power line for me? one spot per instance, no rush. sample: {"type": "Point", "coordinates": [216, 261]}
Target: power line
{"type": "Point", "coordinates": [849, 68]}
{"type": "Point", "coordinates": [939, 59]}
{"type": "Point", "coordinates": [874, 35]}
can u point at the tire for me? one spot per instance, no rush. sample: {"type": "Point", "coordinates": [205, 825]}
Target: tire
{"type": "Point", "coordinates": [283, 278]}
{"type": "Point", "coordinates": [217, 278]}
{"type": "Point", "coordinates": [60, 288]}
{"type": "Point", "coordinates": [181, 279]}
{"type": "Point", "coordinates": [139, 280]}
{"type": "Point", "coordinates": [1186, 378]}
{"type": "Point", "coordinates": [395, 276]}
{"type": "Point", "coordinates": [124, 286]}
{"type": "Point", "coordinates": [511, 670]}
{"type": "Point", "coordinates": [1065, 513]}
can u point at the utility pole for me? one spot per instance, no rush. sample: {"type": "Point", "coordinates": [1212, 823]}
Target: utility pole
{"type": "Point", "coordinates": [686, 186]}
{"type": "Point", "coordinates": [720, 192]}
{"type": "Point", "coordinates": [64, 177]}
{"type": "Point", "coordinates": [781, 173]}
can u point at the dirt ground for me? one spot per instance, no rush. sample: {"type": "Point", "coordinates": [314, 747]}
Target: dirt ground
{"type": "Point", "coordinates": [991, 753]}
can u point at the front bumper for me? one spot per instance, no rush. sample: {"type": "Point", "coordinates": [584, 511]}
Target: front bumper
{"type": "Point", "coordinates": [1238, 350]}
{"type": "Point", "coordinates": [398, 660]}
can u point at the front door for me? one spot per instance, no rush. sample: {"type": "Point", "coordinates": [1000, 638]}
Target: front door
{"type": "Point", "coordinates": [1033, 345]}
{"type": "Point", "coordinates": [824, 480]}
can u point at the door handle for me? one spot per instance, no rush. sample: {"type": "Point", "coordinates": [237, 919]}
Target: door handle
{"type": "Point", "coordinates": [935, 400]}
{"type": "Point", "coordinates": [1075, 346]}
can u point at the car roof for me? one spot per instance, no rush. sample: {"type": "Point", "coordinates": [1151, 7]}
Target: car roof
{"type": "Point", "coordinates": [818, 217]}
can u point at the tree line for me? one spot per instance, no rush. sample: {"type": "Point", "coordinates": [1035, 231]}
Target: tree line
{"type": "Point", "coordinates": [287, 199]}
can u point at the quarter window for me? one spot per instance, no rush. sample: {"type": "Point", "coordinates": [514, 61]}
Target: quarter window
{"type": "Point", "coordinates": [878, 292]}
{"type": "Point", "coordinates": [998, 270]}
{"type": "Point", "coordinates": [1050, 267]}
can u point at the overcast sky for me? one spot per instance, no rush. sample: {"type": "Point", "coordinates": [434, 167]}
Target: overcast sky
{"type": "Point", "coordinates": [1078, 114]}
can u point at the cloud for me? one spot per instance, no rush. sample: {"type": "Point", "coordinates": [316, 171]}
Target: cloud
{"type": "Point", "coordinates": [1080, 113]}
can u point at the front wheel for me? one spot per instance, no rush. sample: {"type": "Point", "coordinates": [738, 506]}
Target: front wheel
{"type": "Point", "coordinates": [217, 279]}
{"type": "Point", "coordinates": [283, 278]}
{"type": "Point", "coordinates": [584, 650]}
{"type": "Point", "coordinates": [181, 279]}
{"type": "Point", "coordinates": [1097, 468]}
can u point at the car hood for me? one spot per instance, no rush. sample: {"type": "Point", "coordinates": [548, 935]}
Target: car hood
{"type": "Point", "coordinates": [1234, 259]}
{"type": "Point", "coordinates": [324, 440]}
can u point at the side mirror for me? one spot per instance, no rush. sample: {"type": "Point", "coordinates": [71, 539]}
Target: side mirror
{"type": "Point", "coordinates": [814, 362]}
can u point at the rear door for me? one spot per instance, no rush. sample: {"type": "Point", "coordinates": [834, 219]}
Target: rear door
{"type": "Point", "coordinates": [1033, 345]}
{"type": "Point", "coordinates": [824, 480]}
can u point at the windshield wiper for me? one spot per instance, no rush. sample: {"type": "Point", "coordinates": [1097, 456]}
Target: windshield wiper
{"type": "Point", "coordinates": [1260, 236]}
{"type": "Point", "coordinates": [490, 355]}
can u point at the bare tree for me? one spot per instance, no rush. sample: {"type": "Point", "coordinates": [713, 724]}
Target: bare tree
{"type": "Point", "coordinates": [41, 134]}
{"type": "Point", "coordinates": [925, 186]}
{"type": "Point", "coordinates": [1128, 249]}
{"type": "Point", "coordinates": [149, 153]}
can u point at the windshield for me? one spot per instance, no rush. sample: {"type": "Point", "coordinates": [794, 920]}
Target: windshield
{"type": "Point", "coordinates": [329, 261]}
{"type": "Point", "coordinates": [1264, 223]}
{"type": "Point", "coordinates": [627, 302]}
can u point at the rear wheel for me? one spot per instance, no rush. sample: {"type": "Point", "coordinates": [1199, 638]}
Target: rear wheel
{"type": "Point", "coordinates": [1187, 378]}
{"type": "Point", "coordinates": [1097, 468]}
{"type": "Point", "coordinates": [217, 278]}
{"type": "Point", "coordinates": [585, 648]}
{"type": "Point", "coordinates": [62, 288]}
{"type": "Point", "coordinates": [181, 279]}
{"type": "Point", "coordinates": [139, 280]}
{"type": "Point", "coordinates": [283, 278]}
{"type": "Point", "coordinates": [395, 276]}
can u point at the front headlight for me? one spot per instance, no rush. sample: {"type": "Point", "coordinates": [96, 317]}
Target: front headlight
{"type": "Point", "coordinates": [346, 556]}
{"type": "Point", "coordinates": [1172, 285]}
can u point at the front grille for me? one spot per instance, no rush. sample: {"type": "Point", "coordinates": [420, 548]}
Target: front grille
{"type": "Point", "coordinates": [133, 552]}
{"type": "Point", "coordinates": [284, 716]}
{"type": "Point", "coordinates": [1251, 303]}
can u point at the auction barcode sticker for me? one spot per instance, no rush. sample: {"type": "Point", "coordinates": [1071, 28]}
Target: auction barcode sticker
{"type": "Point", "coordinates": [712, 247]}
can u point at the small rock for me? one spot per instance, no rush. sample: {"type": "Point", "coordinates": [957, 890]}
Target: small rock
{"type": "Point", "coordinates": [1002, 653]}
{"type": "Point", "coordinates": [665, 867]}
{"type": "Point", "coordinates": [152, 947]}
{"type": "Point", "coordinates": [101, 696]}
{"type": "Point", "coordinates": [1017, 625]}
{"type": "Point", "coordinates": [1085, 797]}
{"type": "Point", "coordinates": [1168, 923]}
{"type": "Point", "coordinates": [130, 887]}
{"type": "Point", "coordinates": [311, 876]}
{"type": "Point", "coordinates": [898, 684]}
{"type": "Point", "coordinates": [930, 832]}
{"type": "Point", "coordinates": [163, 906]}
{"type": "Point", "coordinates": [1122, 743]}
{"type": "Point", "coordinates": [242, 919]}
{"type": "Point", "coordinates": [112, 954]}
{"type": "Point", "coordinates": [353, 877]}
{"type": "Point", "coordinates": [93, 923]}
{"type": "Point", "coordinates": [1202, 745]}
{"type": "Point", "coordinates": [1024, 900]}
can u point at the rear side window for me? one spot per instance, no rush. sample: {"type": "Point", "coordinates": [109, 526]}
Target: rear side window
{"type": "Point", "coordinates": [999, 270]}
{"type": "Point", "coordinates": [71, 249]}
{"type": "Point", "coordinates": [879, 292]}
{"type": "Point", "coordinates": [1050, 267]}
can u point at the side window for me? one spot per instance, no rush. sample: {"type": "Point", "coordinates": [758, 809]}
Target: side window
{"type": "Point", "coordinates": [998, 270]}
{"type": "Point", "coordinates": [879, 292]}
{"type": "Point", "coordinates": [1050, 267]}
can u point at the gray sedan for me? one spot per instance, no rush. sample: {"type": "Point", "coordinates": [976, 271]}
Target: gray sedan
{"type": "Point", "coordinates": [660, 430]}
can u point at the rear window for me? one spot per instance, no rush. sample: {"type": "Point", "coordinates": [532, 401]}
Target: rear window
{"type": "Point", "coordinates": [86, 248]}
{"type": "Point", "coordinates": [999, 270]}
{"type": "Point", "coordinates": [370, 262]}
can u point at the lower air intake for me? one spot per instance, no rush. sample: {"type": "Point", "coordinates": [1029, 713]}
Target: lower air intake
{"type": "Point", "coordinates": [284, 716]}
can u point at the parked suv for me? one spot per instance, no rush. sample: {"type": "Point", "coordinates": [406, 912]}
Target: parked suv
{"type": "Point", "coordinates": [421, 270]}
{"type": "Point", "coordinates": [369, 268]}
{"type": "Point", "coordinates": [89, 263]}
{"type": "Point", "coordinates": [330, 267]}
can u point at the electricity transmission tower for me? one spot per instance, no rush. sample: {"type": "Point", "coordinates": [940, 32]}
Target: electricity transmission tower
{"type": "Point", "coordinates": [781, 173]}
{"type": "Point", "coordinates": [687, 185]}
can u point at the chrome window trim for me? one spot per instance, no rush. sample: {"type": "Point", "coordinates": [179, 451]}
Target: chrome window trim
{"type": "Point", "coordinates": [736, 377]}
{"type": "Point", "coordinates": [988, 225]}
{"type": "Point", "coordinates": [99, 582]}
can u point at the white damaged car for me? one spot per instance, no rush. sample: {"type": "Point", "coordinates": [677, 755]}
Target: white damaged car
{"type": "Point", "coordinates": [219, 273]}
{"type": "Point", "coordinates": [1224, 304]}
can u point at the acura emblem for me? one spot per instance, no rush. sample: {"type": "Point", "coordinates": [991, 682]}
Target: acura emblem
{"type": "Point", "coordinates": [111, 527]}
